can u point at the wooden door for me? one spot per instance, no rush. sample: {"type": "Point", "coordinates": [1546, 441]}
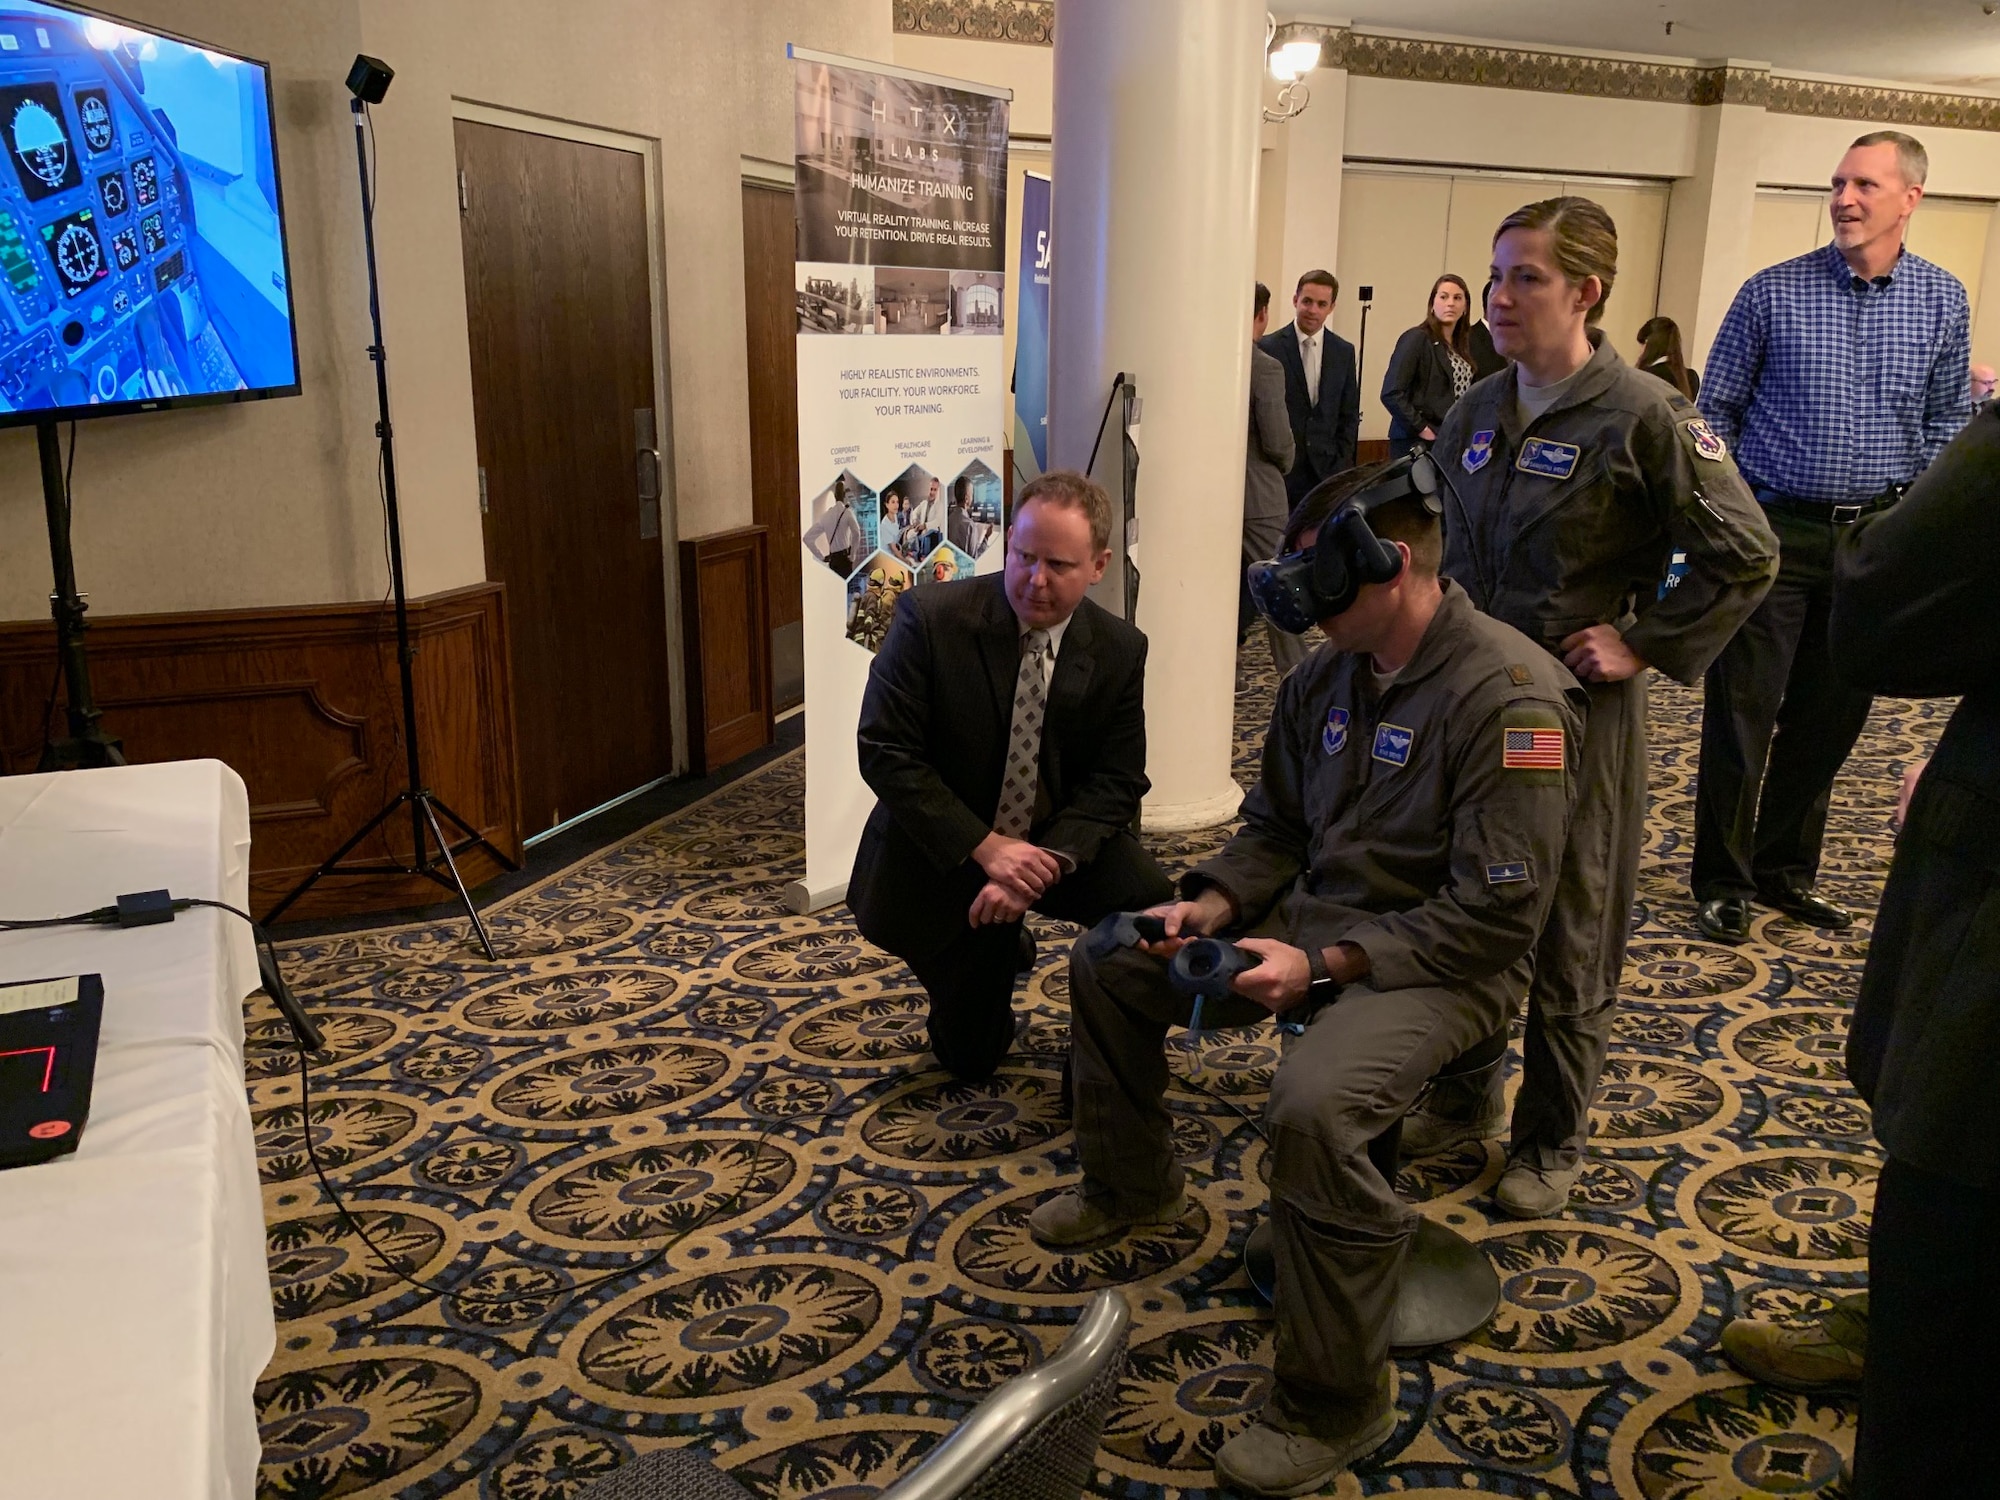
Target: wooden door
{"type": "Point", "coordinates": [560, 312]}
{"type": "Point", "coordinates": [771, 333]}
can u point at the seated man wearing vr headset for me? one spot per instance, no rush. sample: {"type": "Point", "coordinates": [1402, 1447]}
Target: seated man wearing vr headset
{"type": "Point", "coordinates": [1394, 866]}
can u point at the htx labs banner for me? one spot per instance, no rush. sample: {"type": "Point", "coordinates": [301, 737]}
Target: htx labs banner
{"type": "Point", "coordinates": [902, 212]}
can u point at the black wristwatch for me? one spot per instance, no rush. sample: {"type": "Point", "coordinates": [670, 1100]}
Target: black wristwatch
{"type": "Point", "coordinates": [1322, 987]}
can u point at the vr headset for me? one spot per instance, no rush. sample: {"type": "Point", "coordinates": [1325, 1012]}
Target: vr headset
{"type": "Point", "coordinates": [1298, 590]}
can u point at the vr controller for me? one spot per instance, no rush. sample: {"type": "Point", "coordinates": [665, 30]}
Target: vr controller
{"type": "Point", "coordinates": [1201, 970]}
{"type": "Point", "coordinates": [1124, 929]}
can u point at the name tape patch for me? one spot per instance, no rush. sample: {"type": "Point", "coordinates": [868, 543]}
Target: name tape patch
{"type": "Point", "coordinates": [1549, 459]}
{"type": "Point", "coordinates": [1393, 744]}
{"type": "Point", "coordinates": [1477, 452]}
{"type": "Point", "coordinates": [1531, 750]}
{"type": "Point", "coordinates": [1510, 874]}
{"type": "Point", "coordinates": [1333, 738]}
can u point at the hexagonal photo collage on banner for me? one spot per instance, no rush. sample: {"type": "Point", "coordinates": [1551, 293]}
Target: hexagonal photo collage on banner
{"type": "Point", "coordinates": [914, 531]}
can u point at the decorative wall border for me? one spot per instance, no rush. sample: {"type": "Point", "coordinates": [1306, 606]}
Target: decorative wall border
{"type": "Point", "coordinates": [1032, 22]}
{"type": "Point", "coordinates": [1854, 101]}
{"type": "Point", "coordinates": [1405, 58]}
{"type": "Point", "coordinates": [1409, 59]}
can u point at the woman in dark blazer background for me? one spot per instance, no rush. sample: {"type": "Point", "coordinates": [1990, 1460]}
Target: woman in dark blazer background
{"type": "Point", "coordinates": [1431, 368]}
{"type": "Point", "coordinates": [1486, 360]}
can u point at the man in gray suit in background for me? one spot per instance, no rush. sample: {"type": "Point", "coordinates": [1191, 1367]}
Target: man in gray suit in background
{"type": "Point", "coordinates": [1265, 504]}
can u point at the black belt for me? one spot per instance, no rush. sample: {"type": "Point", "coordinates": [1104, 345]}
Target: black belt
{"type": "Point", "coordinates": [1832, 515]}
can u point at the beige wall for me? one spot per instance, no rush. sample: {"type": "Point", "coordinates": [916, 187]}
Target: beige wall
{"type": "Point", "coordinates": [1028, 71]}
{"type": "Point", "coordinates": [1391, 119]}
{"type": "Point", "coordinates": [275, 502]}
{"type": "Point", "coordinates": [1800, 151]}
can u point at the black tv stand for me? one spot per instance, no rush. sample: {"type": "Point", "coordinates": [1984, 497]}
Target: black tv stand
{"type": "Point", "coordinates": [86, 744]}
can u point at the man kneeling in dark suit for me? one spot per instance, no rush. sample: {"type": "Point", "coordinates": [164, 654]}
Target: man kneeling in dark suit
{"type": "Point", "coordinates": [1004, 736]}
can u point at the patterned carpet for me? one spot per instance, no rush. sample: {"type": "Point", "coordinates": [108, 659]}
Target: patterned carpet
{"type": "Point", "coordinates": [666, 1051]}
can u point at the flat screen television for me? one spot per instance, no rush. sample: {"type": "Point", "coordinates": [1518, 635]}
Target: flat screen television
{"type": "Point", "coordinates": [142, 234]}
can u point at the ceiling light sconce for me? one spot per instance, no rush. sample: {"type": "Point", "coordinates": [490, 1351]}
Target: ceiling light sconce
{"type": "Point", "coordinates": [1291, 52]}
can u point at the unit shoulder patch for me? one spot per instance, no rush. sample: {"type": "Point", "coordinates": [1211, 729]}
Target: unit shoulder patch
{"type": "Point", "coordinates": [1706, 443]}
{"type": "Point", "coordinates": [1478, 450]}
{"type": "Point", "coordinates": [1333, 737]}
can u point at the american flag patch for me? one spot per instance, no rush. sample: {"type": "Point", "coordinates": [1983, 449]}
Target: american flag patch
{"type": "Point", "coordinates": [1532, 750]}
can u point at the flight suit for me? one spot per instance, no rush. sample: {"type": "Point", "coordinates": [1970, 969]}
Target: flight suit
{"type": "Point", "coordinates": [1423, 822]}
{"type": "Point", "coordinates": [1570, 522]}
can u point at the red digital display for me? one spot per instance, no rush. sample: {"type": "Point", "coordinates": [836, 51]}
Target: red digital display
{"type": "Point", "coordinates": [48, 1054]}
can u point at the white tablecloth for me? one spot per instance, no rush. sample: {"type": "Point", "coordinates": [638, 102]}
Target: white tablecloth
{"type": "Point", "coordinates": [135, 1307]}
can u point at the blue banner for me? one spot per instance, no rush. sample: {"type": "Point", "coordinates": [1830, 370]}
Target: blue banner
{"type": "Point", "coordinates": [1031, 335]}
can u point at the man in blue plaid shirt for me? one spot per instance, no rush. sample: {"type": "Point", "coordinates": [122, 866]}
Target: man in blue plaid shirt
{"type": "Point", "coordinates": [1835, 379]}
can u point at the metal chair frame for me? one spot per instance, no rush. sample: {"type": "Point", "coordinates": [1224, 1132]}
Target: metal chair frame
{"type": "Point", "coordinates": [1011, 1413]}
{"type": "Point", "coordinates": [1001, 1424]}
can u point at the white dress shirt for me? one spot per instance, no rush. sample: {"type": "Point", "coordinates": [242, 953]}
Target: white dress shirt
{"type": "Point", "coordinates": [1309, 345]}
{"type": "Point", "coordinates": [1055, 645]}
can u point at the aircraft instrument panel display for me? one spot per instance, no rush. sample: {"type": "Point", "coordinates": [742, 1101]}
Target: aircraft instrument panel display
{"type": "Point", "coordinates": [142, 248]}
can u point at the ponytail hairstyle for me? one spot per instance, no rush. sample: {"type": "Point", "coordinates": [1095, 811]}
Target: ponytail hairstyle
{"type": "Point", "coordinates": [1585, 241]}
{"type": "Point", "coordinates": [1660, 340]}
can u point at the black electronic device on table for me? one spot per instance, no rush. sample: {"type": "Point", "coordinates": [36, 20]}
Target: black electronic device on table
{"type": "Point", "coordinates": [48, 1057]}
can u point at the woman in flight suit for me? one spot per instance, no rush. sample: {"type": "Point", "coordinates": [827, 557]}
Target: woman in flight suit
{"type": "Point", "coordinates": [1573, 481]}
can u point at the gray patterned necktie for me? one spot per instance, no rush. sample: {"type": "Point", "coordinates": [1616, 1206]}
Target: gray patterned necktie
{"type": "Point", "coordinates": [1024, 740]}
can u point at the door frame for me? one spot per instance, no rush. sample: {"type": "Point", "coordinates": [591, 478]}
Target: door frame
{"type": "Point", "coordinates": [647, 149]}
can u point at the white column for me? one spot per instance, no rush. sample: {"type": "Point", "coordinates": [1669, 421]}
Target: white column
{"type": "Point", "coordinates": [1316, 145]}
{"type": "Point", "coordinates": [1157, 106]}
{"type": "Point", "coordinates": [1707, 250]}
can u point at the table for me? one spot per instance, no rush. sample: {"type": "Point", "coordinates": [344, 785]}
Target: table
{"type": "Point", "coordinates": [135, 1305]}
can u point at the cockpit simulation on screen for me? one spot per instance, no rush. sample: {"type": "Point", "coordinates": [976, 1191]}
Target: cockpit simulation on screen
{"type": "Point", "coordinates": [142, 248]}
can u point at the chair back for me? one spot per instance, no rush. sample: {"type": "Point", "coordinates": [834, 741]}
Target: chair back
{"type": "Point", "coordinates": [667, 1474]}
{"type": "Point", "coordinates": [1036, 1437]}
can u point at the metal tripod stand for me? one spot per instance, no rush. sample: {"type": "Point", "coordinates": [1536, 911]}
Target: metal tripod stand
{"type": "Point", "coordinates": [439, 863]}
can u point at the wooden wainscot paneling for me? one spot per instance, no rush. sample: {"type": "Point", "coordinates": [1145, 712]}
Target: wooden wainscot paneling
{"type": "Point", "coordinates": [304, 703]}
{"type": "Point", "coordinates": [725, 617]}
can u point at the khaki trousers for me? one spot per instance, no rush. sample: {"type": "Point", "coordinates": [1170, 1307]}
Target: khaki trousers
{"type": "Point", "coordinates": [1341, 1232]}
